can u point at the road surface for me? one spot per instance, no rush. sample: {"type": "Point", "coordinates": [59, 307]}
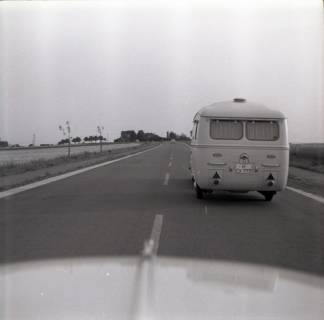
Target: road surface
{"type": "Point", "coordinates": [112, 210]}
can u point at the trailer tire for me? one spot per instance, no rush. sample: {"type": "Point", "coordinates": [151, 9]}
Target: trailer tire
{"type": "Point", "coordinates": [199, 192]}
{"type": "Point", "coordinates": [268, 195]}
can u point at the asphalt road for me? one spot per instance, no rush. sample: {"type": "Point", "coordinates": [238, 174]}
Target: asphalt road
{"type": "Point", "coordinates": [110, 211]}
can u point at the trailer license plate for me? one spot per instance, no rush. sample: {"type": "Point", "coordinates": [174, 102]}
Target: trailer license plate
{"type": "Point", "coordinates": [243, 168]}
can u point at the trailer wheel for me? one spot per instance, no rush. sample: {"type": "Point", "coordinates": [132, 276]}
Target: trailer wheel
{"type": "Point", "coordinates": [199, 192]}
{"type": "Point", "coordinates": [268, 195]}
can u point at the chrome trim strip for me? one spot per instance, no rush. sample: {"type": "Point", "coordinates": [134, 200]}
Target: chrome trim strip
{"type": "Point", "coordinates": [270, 165]}
{"type": "Point", "coordinates": [216, 164]}
{"type": "Point", "coordinates": [238, 146]}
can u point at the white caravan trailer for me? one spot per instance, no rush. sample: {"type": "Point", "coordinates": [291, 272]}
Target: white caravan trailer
{"type": "Point", "coordinates": [239, 146]}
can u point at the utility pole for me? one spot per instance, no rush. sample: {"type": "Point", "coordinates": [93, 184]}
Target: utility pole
{"type": "Point", "coordinates": [100, 136]}
{"type": "Point", "coordinates": [68, 128]}
{"type": "Point", "coordinates": [34, 139]}
{"type": "Point", "coordinates": [69, 137]}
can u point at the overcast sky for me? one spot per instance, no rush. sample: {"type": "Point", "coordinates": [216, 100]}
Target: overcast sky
{"type": "Point", "coordinates": [152, 64]}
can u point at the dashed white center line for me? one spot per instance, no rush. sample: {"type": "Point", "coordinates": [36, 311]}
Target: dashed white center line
{"type": "Point", "coordinates": [205, 208]}
{"type": "Point", "coordinates": [166, 179]}
{"type": "Point", "coordinates": [151, 246]}
{"type": "Point", "coordinates": [170, 164]}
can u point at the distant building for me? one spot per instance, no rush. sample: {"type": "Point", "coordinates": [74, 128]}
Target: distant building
{"type": "Point", "coordinates": [128, 136]}
{"type": "Point", "coordinates": [4, 144]}
{"type": "Point", "coordinates": [131, 136]}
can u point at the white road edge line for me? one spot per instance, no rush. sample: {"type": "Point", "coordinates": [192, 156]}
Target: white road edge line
{"type": "Point", "coordinates": [156, 232]}
{"type": "Point", "coordinates": [166, 179]}
{"type": "Point", "coordinates": [186, 144]}
{"type": "Point", "coordinates": [13, 191]}
{"type": "Point", "coordinates": [306, 194]}
{"type": "Point", "coordinates": [151, 246]}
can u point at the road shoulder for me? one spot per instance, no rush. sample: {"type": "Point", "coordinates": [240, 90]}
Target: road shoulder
{"type": "Point", "coordinates": [306, 180]}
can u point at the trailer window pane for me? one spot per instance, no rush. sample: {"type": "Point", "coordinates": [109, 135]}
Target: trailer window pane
{"type": "Point", "coordinates": [262, 130]}
{"type": "Point", "coordinates": [226, 129]}
{"type": "Point", "coordinates": [196, 129]}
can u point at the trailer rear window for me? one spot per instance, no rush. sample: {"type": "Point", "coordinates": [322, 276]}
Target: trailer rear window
{"type": "Point", "coordinates": [262, 130]}
{"type": "Point", "coordinates": [226, 129]}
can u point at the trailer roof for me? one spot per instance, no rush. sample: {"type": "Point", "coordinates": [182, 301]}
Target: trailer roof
{"type": "Point", "coordinates": [239, 108]}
